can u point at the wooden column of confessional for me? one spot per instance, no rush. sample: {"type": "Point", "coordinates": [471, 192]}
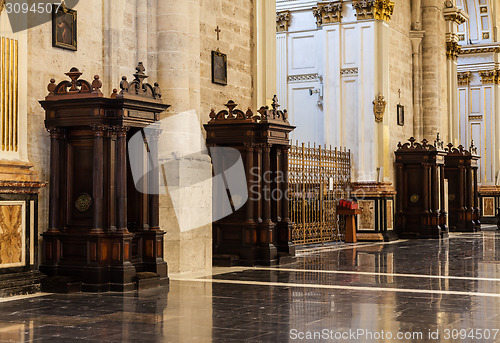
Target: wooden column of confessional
{"type": "Point", "coordinates": [420, 200]}
{"type": "Point", "coordinates": [461, 171]}
{"type": "Point", "coordinates": [102, 230]}
{"type": "Point", "coordinates": [258, 232]}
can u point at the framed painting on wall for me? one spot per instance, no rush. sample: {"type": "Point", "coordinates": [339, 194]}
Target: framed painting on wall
{"type": "Point", "coordinates": [64, 28]}
{"type": "Point", "coordinates": [219, 68]}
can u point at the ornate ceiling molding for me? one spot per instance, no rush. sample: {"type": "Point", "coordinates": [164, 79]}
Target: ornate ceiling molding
{"type": "Point", "coordinates": [373, 9]}
{"type": "Point", "coordinates": [470, 49]}
{"type": "Point", "coordinates": [328, 12]}
{"type": "Point", "coordinates": [282, 21]}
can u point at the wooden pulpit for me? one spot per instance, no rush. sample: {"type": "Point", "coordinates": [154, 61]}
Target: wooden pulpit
{"type": "Point", "coordinates": [420, 200]}
{"type": "Point", "coordinates": [102, 230]}
{"type": "Point", "coordinates": [259, 232]}
{"type": "Point", "coordinates": [461, 171]}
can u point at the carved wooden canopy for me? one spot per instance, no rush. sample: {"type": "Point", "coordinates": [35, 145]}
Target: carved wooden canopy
{"type": "Point", "coordinates": [233, 115]}
{"type": "Point", "coordinates": [79, 88]}
{"type": "Point", "coordinates": [413, 145]}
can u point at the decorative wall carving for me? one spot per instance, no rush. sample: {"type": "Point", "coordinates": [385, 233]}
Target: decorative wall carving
{"type": "Point", "coordinates": [379, 108]}
{"type": "Point", "coordinates": [304, 77]}
{"type": "Point", "coordinates": [464, 78]}
{"type": "Point", "coordinates": [489, 76]}
{"type": "Point", "coordinates": [390, 215]}
{"type": "Point", "coordinates": [282, 21]}
{"type": "Point", "coordinates": [328, 12]}
{"type": "Point", "coordinates": [373, 9]}
{"type": "Point", "coordinates": [367, 218]}
{"type": "Point", "coordinates": [349, 71]}
{"type": "Point", "coordinates": [452, 50]}
{"type": "Point", "coordinates": [489, 207]}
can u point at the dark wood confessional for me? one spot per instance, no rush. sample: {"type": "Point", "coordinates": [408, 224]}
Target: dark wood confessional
{"type": "Point", "coordinates": [420, 200]}
{"type": "Point", "coordinates": [258, 233]}
{"type": "Point", "coordinates": [463, 201]}
{"type": "Point", "coordinates": [102, 230]}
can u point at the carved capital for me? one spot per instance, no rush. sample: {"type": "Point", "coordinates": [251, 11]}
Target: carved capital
{"type": "Point", "coordinates": [454, 14]}
{"type": "Point", "coordinates": [452, 50]}
{"type": "Point", "coordinates": [121, 131]}
{"type": "Point", "coordinates": [464, 78]}
{"type": "Point", "coordinates": [489, 77]}
{"type": "Point", "coordinates": [373, 9]}
{"type": "Point", "coordinates": [99, 129]}
{"type": "Point", "coordinates": [55, 132]}
{"type": "Point", "coordinates": [328, 12]}
{"type": "Point", "coordinates": [282, 21]}
{"type": "Point", "coordinates": [250, 146]}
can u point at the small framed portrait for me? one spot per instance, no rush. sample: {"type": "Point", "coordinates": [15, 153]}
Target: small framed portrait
{"type": "Point", "coordinates": [401, 115]}
{"type": "Point", "coordinates": [64, 28]}
{"type": "Point", "coordinates": [219, 68]}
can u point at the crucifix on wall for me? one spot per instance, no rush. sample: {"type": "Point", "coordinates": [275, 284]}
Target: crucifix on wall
{"type": "Point", "coordinates": [219, 64]}
{"type": "Point", "coordinates": [401, 111]}
{"type": "Point", "coordinates": [218, 30]}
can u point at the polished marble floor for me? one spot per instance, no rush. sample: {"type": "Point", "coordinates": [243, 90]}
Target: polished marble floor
{"type": "Point", "coordinates": [405, 291]}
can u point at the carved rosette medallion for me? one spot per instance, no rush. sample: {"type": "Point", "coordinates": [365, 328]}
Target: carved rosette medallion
{"type": "Point", "coordinates": [379, 108]}
{"type": "Point", "coordinates": [83, 202]}
{"type": "Point", "coordinates": [282, 21]}
{"type": "Point", "coordinates": [328, 12]}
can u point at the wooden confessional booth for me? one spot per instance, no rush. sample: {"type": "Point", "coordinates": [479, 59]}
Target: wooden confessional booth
{"type": "Point", "coordinates": [463, 201]}
{"type": "Point", "coordinates": [420, 200]}
{"type": "Point", "coordinates": [102, 231]}
{"type": "Point", "coordinates": [258, 232]}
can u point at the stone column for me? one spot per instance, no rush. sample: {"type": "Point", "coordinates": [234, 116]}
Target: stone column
{"type": "Point", "coordinates": [433, 63]}
{"type": "Point", "coordinates": [416, 40]}
{"type": "Point", "coordinates": [178, 25]}
{"type": "Point", "coordinates": [142, 32]}
{"type": "Point", "coordinates": [453, 17]}
{"type": "Point", "coordinates": [265, 51]}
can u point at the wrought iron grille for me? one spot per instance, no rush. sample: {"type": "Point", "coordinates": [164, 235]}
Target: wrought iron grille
{"type": "Point", "coordinates": [318, 177]}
